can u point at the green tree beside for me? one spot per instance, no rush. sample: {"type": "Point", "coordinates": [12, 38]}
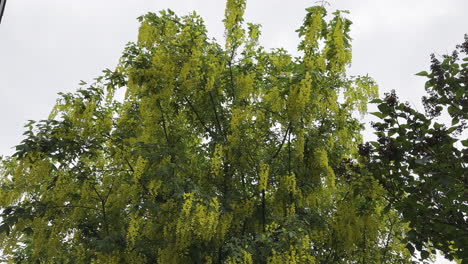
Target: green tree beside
{"type": "Point", "coordinates": [422, 162]}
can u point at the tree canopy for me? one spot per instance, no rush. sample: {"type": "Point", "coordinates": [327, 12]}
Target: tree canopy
{"type": "Point", "coordinates": [422, 162]}
{"type": "Point", "coordinates": [217, 154]}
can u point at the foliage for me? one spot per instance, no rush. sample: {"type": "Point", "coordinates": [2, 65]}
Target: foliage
{"type": "Point", "coordinates": [422, 163]}
{"type": "Point", "coordinates": [216, 155]}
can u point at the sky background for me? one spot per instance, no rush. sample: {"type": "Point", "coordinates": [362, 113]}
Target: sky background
{"type": "Point", "coordinates": [48, 46]}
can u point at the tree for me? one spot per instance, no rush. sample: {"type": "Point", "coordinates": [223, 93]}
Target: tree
{"type": "Point", "coordinates": [216, 155]}
{"type": "Point", "coordinates": [423, 163]}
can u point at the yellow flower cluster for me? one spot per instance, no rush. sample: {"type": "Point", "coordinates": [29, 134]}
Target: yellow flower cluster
{"type": "Point", "coordinates": [217, 160]}
{"type": "Point", "coordinates": [197, 220]}
{"type": "Point", "coordinates": [232, 22]}
{"type": "Point", "coordinates": [245, 258]}
{"type": "Point", "coordinates": [139, 168]}
{"type": "Point", "coordinates": [299, 98]}
{"type": "Point", "coordinates": [292, 256]}
{"type": "Point", "coordinates": [245, 86]}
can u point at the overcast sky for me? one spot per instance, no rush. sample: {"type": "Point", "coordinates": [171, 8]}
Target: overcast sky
{"type": "Point", "coordinates": [48, 46]}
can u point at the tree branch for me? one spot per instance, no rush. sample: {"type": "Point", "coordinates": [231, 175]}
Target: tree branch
{"type": "Point", "coordinates": [282, 143]}
{"type": "Point", "coordinates": [216, 116]}
{"type": "Point", "coordinates": [198, 117]}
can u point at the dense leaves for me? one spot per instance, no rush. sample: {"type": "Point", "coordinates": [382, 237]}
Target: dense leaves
{"type": "Point", "coordinates": [215, 155]}
{"type": "Point", "coordinates": [423, 163]}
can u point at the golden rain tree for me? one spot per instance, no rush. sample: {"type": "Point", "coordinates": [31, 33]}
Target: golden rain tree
{"type": "Point", "coordinates": [217, 154]}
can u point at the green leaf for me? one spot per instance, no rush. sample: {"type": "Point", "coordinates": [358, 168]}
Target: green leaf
{"type": "Point", "coordinates": [5, 228]}
{"type": "Point", "coordinates": [391, 132]}
{"type": "Point", "coordinates": [428, 84]}
{"type": "Point", "coordinates": [385, 109]}
{"type": "Point", "coordinates": [450, 130]}
{"type": "Point", "coordinates": [378, 114]}
{"type": "Point", "coordinates": [452, 110]}
{"type": "Point", "coordinates": [424, 254]}
{"type": "Point", "coordinates": [423, 73]}
{"type": "Point", "coordinates": [465, 142]}
{"type": "Point", "coordinates": [375, 101]}
{"type": "Point", "coordinates": [375, 144]}
{"type": "Point", "coordinates": [410, 248]}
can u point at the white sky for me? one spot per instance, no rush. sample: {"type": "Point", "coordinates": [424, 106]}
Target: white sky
{"type": "Point", "coordinates": [47, 46]}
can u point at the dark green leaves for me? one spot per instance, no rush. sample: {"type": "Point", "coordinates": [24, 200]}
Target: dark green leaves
{"type": "Point", "coordinates": [423, 73]}
{"type": "Point", "coordinates": [410, 248]}
{"type": "Point", "coordinates": [424, 254]}
{"type": "Point", "coordinates": [417, 161]}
